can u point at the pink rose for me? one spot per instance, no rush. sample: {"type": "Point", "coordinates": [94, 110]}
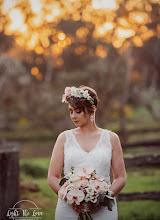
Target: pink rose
{"type": "Point", "coordinates": [67, 91]}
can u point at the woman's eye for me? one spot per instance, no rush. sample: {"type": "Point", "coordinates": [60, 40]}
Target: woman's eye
{"type": "Point", "coordinates": [78, 112]}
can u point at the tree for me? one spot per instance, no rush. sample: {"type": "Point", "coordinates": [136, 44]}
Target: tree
{"type": "Point", "coordinates": [102, 38]}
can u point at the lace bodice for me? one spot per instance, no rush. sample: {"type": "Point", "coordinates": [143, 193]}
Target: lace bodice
{"type": "Point", "coordinates": [99, 158]}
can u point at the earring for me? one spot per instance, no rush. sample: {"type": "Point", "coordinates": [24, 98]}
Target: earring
{"type": "Point", "coordinates": [92, 118]}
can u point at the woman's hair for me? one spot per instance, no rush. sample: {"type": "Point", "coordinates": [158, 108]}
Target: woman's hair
{"type": "Point", "coordinates": [83, 103]}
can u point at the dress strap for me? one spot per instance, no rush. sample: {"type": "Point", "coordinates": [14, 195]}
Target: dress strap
{"type": "Point", "coordinates": [68, 136]}
{"type": "Point", "coordinates": [108, 137]}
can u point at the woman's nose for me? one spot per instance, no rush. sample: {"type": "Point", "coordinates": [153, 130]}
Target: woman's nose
{"type": "Point", "coordinates": [73, 115]}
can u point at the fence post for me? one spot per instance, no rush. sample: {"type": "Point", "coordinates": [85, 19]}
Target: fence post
{"type": "Point", "coordinates": [9, 177]}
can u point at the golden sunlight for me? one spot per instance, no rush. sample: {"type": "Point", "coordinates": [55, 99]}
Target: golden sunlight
{"type": "Point", "coordinates": [37, 20]}
{"type": "Point", "coordinates": [117, 43]}
{"type": "Point", "coordinates": [39, 50]}
{"type": "Point", "coordinates": [76, 17]}
{"type": "Point", "coordinates": [124, 33]}
{"type": "Point", "coordinates": [34, 71]}
{"type": "Point", "coordinates": [138, 17]}
{"type": "Point", "coordinates": [100, 51]}
{"type": "Point", "coordinates": [62, 43]}
{"type": "Point", "coordinates": [56, 50]}
{"type": "Point", "coordinates": [45, 42]}
{"type": "Point", "coordinates": [33, 41]}
{"type": "Point", "coordinates": [82, 32]}
{"type": "Point", "coordinates": [104, 4]}
{"type": "Point", "coordinates": [16, 21]}
{"type": "Point", "coordinates": [36, 6]}
{"type": "Point", "coordinates": [59, 62]}
{"type": "Point", "coordinates": [34, 24]}
{"type": "Point", "coordinates": [49, 18]}
{"type": "Point", "coordinates": [133, 4]}
{"type": "Point", "coordinates": [137, 41]}
{"type": "Point", "coordinates": [108, 25]}
{"type": "Point", "coordinates": [155, 1]}
{"type": "Point", "coordinates": [7, 5]}
{"type": "Point", "coordinates": [39, 76]}
{"type": "Point", "coordinates": [147, 35]}
{"type": "Point", "coordinates": [21, 41]}
{"type": "Point", "coordinates": [79, 50]}
{"type": "Point", "coordinates": [102, 30]}
{"type": "Point", "coordinates": [56, 12]}
{"type": "Point", "coordinates": [123, 22]}
{"type": "Point", "coordinates": [61, 36]}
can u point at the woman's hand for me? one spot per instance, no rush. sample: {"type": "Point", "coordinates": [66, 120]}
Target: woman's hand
{"type": "Point", "coordinates": [95, 208]}
{"type": "Point", "coordinates": [82, 208]}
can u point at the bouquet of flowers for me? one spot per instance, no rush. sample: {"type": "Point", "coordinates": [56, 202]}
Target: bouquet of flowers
{"type": "Point", "coordinates": [86, 188]}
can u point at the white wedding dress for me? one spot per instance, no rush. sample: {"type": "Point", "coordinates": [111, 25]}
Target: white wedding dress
{"type": "Point", "coordinates": [100, 159]}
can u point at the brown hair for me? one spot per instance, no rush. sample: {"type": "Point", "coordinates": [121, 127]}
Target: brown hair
{"type": "Point", "coordinates": [83, 103]}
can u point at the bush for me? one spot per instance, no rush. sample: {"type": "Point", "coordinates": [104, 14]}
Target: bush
{"type": "Point", "coordinates": [34, 169]}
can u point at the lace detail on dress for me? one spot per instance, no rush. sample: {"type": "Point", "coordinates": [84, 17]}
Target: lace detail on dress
{"type": "Point", "coordinates": [68, 139]}
{"type": "Point", "coordinates": [99, 157]}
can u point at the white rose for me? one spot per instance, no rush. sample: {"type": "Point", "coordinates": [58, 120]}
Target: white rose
{"type": "Point", "coordinates": [90, 191]}
{"type": "Point", "coordinates": [85, 94]}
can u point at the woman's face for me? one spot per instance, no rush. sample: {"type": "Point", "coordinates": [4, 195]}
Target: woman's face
{"type": "Point", "coordinates": [78, 117]}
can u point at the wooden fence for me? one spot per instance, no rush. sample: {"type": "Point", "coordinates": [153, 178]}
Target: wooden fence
{"type": "Point", "coordinates": [148, 160]}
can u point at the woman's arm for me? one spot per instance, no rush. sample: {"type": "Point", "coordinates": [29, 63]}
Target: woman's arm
{"type": "Point", "coordinates": [117, 164]}
{"type": "Point", "coordinates": [56, 163]}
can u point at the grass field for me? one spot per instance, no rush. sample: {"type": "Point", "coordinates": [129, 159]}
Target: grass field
{"type": "Point", "coordinates": [138, 179]}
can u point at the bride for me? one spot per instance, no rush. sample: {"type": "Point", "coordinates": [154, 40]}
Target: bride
{"type": "Point", "coordinates": [86, 145]}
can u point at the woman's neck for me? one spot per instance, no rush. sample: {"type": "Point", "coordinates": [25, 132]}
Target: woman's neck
{"type": "Point", "coordinates": [90, 127]}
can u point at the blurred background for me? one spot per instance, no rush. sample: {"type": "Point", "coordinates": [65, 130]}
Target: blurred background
{"type": "Point", "coordinates": [111, 46]}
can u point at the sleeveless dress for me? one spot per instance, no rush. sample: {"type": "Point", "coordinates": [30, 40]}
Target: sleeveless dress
{"type": "Point", "coordinates": [100, 159]}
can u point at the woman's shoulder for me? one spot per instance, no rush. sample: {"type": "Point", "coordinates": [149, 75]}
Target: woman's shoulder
{"type": "Point", "coordinates": [62, 135]}
{"type": "Point", "coordinates": [113, 135]}
{"type": "Point", "coordinates": [114, 138]}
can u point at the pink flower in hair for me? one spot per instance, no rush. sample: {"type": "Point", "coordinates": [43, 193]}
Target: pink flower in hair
{"type": "Point", "coordinates": [68, 91]}
{"type": "Point", "coordinates": [66, 94]}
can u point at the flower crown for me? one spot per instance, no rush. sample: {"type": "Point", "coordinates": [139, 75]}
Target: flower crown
{"type": "Point", "coordinates": [76, 92]}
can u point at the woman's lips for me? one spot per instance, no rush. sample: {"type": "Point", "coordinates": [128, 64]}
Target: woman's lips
{"type": "Point", "coordinates": [76, 122]}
